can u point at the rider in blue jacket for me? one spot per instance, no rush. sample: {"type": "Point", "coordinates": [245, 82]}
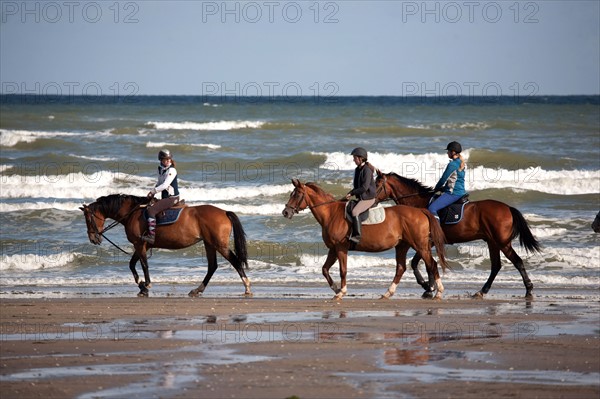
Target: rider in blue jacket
{"type": "Point", "coordinates": [452, 183]}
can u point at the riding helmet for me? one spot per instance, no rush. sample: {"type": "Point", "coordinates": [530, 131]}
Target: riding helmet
{"type": "Point", "coordinates": [360, 152]}
{"type": "Point", "coordinates": [454, 146]}
{"type": "Point", "coordinates": [164, 154]}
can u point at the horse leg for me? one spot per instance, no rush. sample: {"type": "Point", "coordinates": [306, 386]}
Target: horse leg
{"type": "Point", "coordinates": [144, 285]}
{"type": "Point", "coordinates": [342, 256]}
{"type": "Point", "coordinates": [401, 250]}
{"type": "Point", "coordinates": [516, 260]}
{"type": "Point", "coordinates": [434, 276]}
{"type": "Point", "coordinates": [496, 266]}
{"type": "Point", "coordinates": [414, 263]}
{"type": "Point", "coordinates": [211, 256]}
{"type": "Point", "coordinates": [134, 259]}
{"type": "Point", "coordinates": [237, 265]}
{"type": "Point", "coordinates": [331, 258]}
{"type": "Point", "coordinates": [240, 269]}
{"type": "Point", "coordinates": [438, 281]}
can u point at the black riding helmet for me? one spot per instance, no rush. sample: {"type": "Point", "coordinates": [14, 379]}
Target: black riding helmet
{"type": "Point", "coordinates": [454, 146]}
{"type": "Point", "coordinates": [164, 154]}
{"type": "Point", "coordinates": [359, 152]}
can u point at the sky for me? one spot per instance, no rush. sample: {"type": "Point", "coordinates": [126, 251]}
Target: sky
{"type": "Point", "coordinates": [290, 48]}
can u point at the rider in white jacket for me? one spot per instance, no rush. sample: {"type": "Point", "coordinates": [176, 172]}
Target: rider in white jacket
{"type": "Point", "coordinates": [167, 186]}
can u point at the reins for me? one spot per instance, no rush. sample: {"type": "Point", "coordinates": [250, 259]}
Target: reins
{"type": "Point", "coordinates": [394, 198]}
{"type": "Point", "coordinates": [115, 245]}
{"type": "Point", "coordinates": [113, 224]}
{"type": "Point", "coordinates": [296, 209]}
{"type": "Point", "coordinates": [324, 203]}
{"type": "Point", "coordinates": [413, 195]}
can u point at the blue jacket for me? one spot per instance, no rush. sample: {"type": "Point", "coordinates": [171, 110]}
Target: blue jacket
{"type": "Point", "coordinates": [453, 179]}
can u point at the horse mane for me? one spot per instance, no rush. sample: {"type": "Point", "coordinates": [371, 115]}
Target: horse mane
{"type": "Point", "coordinates": [110, 204]}
{"type": "Point", "coordinates": [413, 184]}
{"type": "Point", "coordinates": [319, 190]}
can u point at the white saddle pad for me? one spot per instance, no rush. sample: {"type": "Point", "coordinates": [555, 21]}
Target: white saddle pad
{"type": "Point", "coordinates": [376, 215]}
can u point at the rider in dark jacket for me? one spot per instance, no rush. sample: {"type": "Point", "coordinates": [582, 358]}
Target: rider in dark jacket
{"type": "Point", "coordinates": [364, 189]}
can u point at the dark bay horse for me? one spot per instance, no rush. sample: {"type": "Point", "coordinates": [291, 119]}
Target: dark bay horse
{"type": "Point", "coordinates": [404, 227]}
{"type": "Point", "coordinates": [491, 221]}
{"type": "Point", "coordinates": [196, 223]}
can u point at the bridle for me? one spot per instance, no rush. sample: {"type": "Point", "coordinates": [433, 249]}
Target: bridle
{"type": "Point", "coordinates": [90, 221]}
{"type": "Point", "coordinates": [91, 217]}
{"type": "Point", "coordinates": [383, 187]}
{"type": "Point", "coordinates": [297, 209]}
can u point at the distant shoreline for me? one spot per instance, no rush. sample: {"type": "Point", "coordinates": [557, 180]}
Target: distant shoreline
{"type": "Point", "coordinates": [417, 99]}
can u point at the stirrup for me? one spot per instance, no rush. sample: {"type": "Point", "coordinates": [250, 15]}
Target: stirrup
{"type": "Point", "coordinates": [149, 238]}
{"type": "Point", "coordinates": [354, 239]}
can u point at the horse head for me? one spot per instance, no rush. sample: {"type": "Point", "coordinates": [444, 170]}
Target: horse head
{"type": "Point", "coordinates": [383, 189]}
{"type": "Point", "coordinates": [115, 206]}
{"type": "Point", "coordinates": [308, 195]}
{"type": "Point", "coordinates": [297, 201]}
{"type": "Point", "coordinates": [94, 221]}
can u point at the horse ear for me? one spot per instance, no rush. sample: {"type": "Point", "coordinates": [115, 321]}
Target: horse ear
{"type": "Point", "coordinates": [83, 207]}
{"type": "Point", "coordinates": [379, 174]}
{"type": "Point", "coordinates": [296, 182]}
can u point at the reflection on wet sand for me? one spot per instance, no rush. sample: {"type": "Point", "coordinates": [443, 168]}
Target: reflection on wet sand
{"type": "Point", "coordinates": [405, 344]}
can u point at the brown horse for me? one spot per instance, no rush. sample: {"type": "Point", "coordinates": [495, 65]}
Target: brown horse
{"type": "Point", "coordinates": [196, 223]}
{"type": "Point", "coordinates": [491, 221]}
{"type": "Point", "coordinates": [403, 227]}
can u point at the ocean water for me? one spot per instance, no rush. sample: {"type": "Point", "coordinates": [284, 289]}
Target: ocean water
{"type": "Point", "coordinates": [538, 154]}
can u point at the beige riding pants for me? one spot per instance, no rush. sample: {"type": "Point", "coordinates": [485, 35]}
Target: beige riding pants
{"type": "Point", "coordinates": [362, 206]}
{"type": "Point", "coordinates": [161, 205]}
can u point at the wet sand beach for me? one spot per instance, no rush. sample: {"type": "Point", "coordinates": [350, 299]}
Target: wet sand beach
{"type": "Point", "coordinates": [294, 347]}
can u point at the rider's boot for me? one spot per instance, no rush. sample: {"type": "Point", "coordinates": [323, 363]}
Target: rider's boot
{"type": "Point", "coordinates": [149, 237]}
{"type": "Point", "coordinates": [356, 227]}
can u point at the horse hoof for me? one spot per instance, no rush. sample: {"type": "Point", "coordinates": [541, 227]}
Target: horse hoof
{"type": "Point", "coordinates": [529, 296]}
{"type": "Point", "coordinates": [143, 294]}
{"type": "Point", "coordinates": [193, 294]}
{"type": "Point", "coordinates": [337, 298]}
{"type": "Point", "coordinates": [384, 297]}
{"type": "Point", "coordinates": [248, 294]}
{"type": "Point", "coordinates": [477, 295]}
{"type": "Point", "coordinates": [427, 295]}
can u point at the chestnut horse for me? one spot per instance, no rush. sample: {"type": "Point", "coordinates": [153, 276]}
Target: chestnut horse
{"type": "Point", "coordinates": [403, 227]}
{"type": "Point", "coordinates": [491, 221]}
{"type": "Point", "coordinates": [196, 223]}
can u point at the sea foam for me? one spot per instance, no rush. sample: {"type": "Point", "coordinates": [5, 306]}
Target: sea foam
{"type": "Point", "coordinates": [163, 145]}
{"type": "Point", "coordinates": [36, 261]}
{"type": "Point", "coordinates": [428, 168]}
{"type": "Point", "coordinates": [10, 138]}
{"type": "Point", "coordinates": [217, 125]}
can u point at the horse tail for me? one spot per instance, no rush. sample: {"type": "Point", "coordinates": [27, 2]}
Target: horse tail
{"type": "Point", "coordinates": [239, 239]}
{"type": "Point", "coordinates": [437, 237]}
{"type": "Point", "coordinates": [520, 228]}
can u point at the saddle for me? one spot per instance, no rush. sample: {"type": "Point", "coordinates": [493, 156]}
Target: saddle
{"type": "Point", "coordinates": [168, 216]}
{"type": "Point", "coordinates": [373, 215]}
{"type": "Point", "coordinates": [453, 213]}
